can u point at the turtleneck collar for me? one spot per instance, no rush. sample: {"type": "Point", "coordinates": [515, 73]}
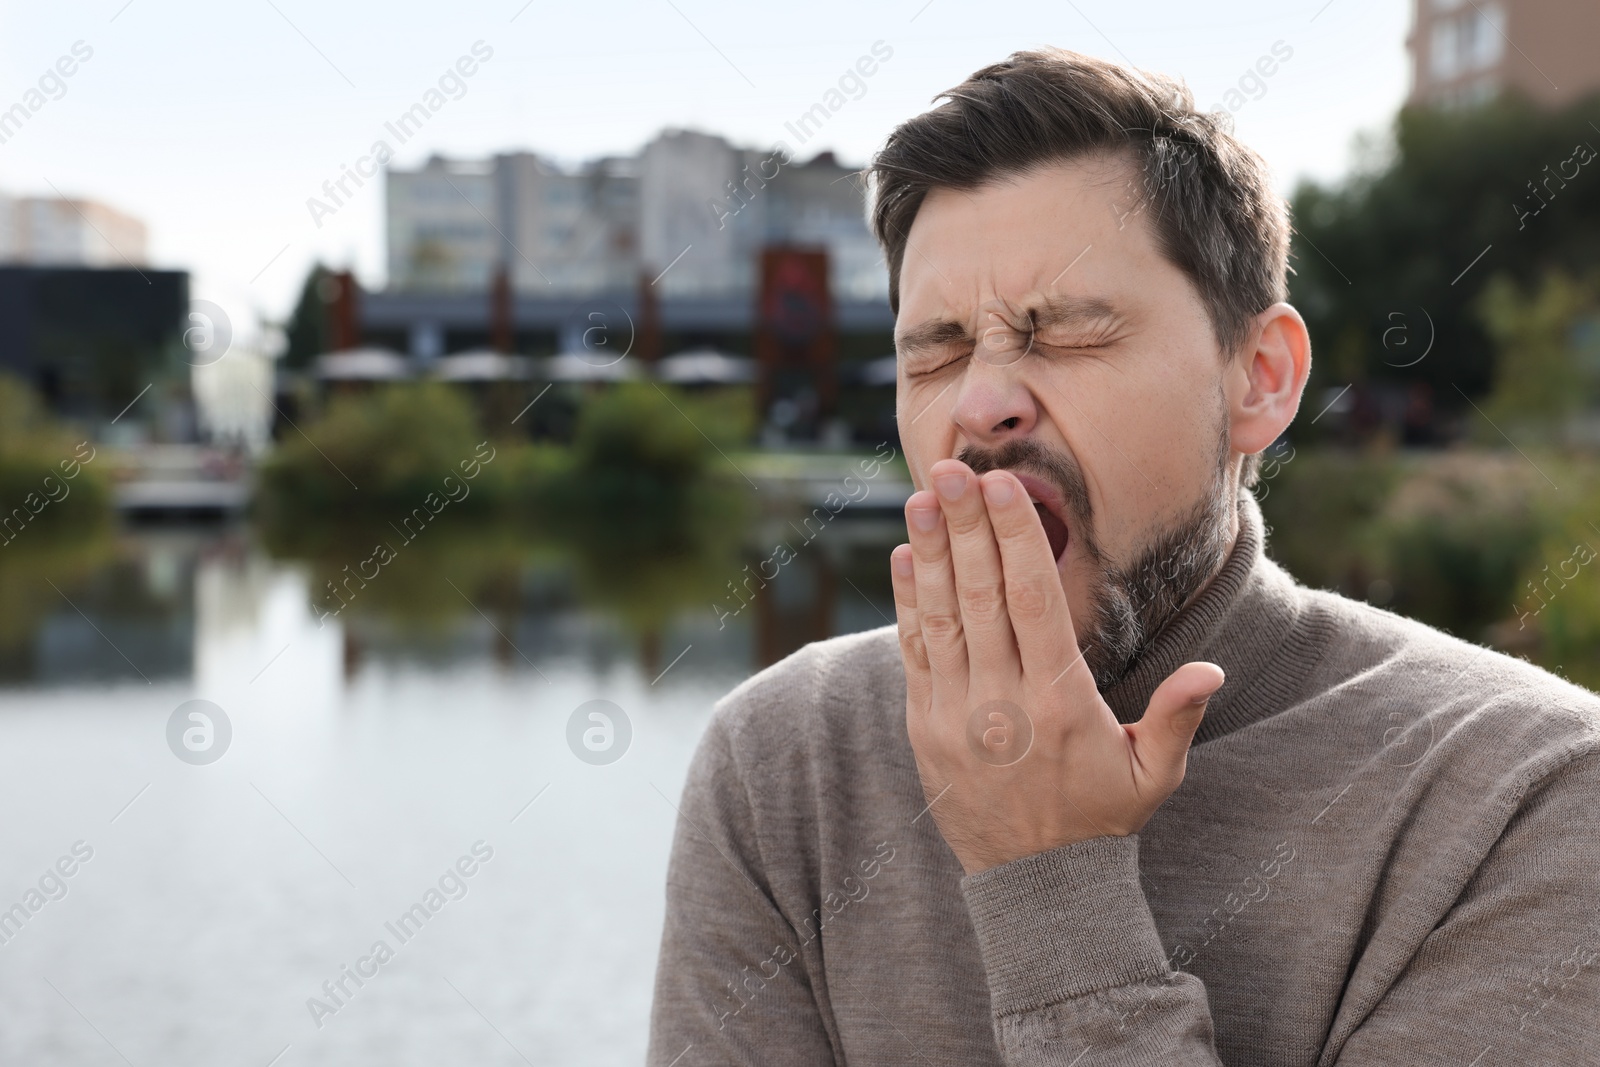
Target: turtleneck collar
{"type": "Point", "coordinates": [1251, 621]}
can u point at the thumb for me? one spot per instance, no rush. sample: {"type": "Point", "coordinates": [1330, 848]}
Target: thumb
{"type": "Point", "coordinates": [1162, 737]}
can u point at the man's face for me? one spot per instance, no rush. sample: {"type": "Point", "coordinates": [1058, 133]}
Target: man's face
{"type": "Point", "coordinates": [1077, 356]}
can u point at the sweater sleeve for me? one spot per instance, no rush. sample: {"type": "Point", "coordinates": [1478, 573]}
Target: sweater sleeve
{"type": "Point", "coordinates": [1511, 974]}
{"type": "Point", "coordinates": [731, 982]}
{"type": "Point", "coordinates": [1075, 966]}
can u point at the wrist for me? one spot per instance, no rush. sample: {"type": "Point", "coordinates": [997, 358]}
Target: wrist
{"type": "Point", "coordinates": [1064, 923]}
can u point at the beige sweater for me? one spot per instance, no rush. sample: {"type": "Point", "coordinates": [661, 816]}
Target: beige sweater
{"type": "Point", "coordinates": [1386, 851]}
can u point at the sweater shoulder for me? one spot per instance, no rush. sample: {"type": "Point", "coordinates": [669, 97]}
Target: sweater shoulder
{"type": "Point", "coordinates": [1453, 682]}
{"type": "Point", "coordinates": [825, 698]}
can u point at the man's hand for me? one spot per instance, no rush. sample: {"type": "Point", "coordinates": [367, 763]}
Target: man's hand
{"type": "Point", "coordinates": [1017, 751]}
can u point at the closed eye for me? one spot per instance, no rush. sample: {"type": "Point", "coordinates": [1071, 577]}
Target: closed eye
{"type": "Point", "coordinates": [1065, 345]}
{"type": "Point", "coordinates": [1088, 345]}
{"type": "Point", "coordinates": [930, 371]}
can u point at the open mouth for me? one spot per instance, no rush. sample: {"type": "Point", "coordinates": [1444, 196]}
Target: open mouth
{"type": "Point", "coordinates": [1047, 502]}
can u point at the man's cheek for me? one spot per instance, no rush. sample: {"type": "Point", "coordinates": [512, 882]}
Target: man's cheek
{"type": "Point", "coordinates": [1168, 445]}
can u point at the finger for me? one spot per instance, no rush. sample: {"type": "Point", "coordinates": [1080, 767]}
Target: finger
{"type": "Point", "coordinates": [1036, 604]}
{"type": "Point", "coordinates": [1161, 739]}
{"type": "Point", "coordinates": [912, 652]}
{"type": "Point", "coordinates": [980, 585]}
{"type": "Point", "coordinates": [938, 612]}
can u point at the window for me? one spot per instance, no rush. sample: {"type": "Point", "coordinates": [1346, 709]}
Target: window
{"type": "Point", "coordinates": [1470, 41]}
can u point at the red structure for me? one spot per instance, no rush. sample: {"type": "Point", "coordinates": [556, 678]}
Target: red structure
{"type": "Point", "coordinates": [795, 326]}
{"type": "Point", "coordinates": [344, 316]}
{"type": "Point", "coordinates": [500, 311]}
{"type": "Point", "coordinates": [647, 339]}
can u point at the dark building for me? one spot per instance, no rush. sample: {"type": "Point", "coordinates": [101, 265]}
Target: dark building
{"type": "Point", "coordinates": [821, 376]}
{"type": "Point", "coordinates": [452, 322]}
{"type": "Point", "coordinates": [90, 339]}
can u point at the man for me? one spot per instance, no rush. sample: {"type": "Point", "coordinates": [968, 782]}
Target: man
{"type": "Point", "coordinates": [1115, 789]}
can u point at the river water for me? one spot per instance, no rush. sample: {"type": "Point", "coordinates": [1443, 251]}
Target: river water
{"type": "Point", "coordinates": [169, 911]}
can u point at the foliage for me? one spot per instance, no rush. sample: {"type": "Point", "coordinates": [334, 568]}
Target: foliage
{"type": "Point", "coordinates": [642, 453]}
{"type": "Point", "coordinates": [1541, 376]}
{"type": "Point", "coordinates": [1554, 613]}
{"type": "Point", "coordinates": [1320, 509]}
{"type": "Point", "coordinates": [307, 332]}
{"type": "Point", "coordinates": [644, 464]}
{"type": "Point", "coordinates": [1455, 533]}
{"type": "Point", "coordinates": [33, 449]}
{"type": "Point", "coordinates": [409, 594]}
{"type": "Point", "coordinates": [1441, 537]}
{"type": "Point", "coordinates": [641, 506]}
{"type": "Point", "coordinates": [1398, 238]}
{"type": "Point", "coordinates": [378, 453]}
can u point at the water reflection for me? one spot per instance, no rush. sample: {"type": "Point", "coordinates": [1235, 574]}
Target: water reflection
{"type": "Point", "coordinates": [368, 751]}
{"type": "Point", "coordinates": [164, 603]}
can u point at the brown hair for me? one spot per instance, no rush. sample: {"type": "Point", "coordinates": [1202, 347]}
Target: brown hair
{"type": "Point", "coordinates": [1216, 215]}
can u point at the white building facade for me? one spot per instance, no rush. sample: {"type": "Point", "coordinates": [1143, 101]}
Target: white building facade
{"type": "Point", "coordinates": [689, 214]}
{"type": "Point", "coordinates": [69, 232]}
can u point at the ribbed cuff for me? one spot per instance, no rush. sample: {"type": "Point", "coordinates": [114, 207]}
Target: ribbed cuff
{"type": "Point", "coordinates": [1063, 924]}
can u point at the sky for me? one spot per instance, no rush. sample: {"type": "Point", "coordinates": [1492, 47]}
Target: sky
{"type": "Point", "coordinates": [216, 123]}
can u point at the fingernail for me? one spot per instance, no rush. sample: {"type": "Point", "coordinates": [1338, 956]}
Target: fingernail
{"type": "Point", "coordinates": [925, 518]}
{"type": "Point", "coordinates": [998, 490]}
{"type": "Point", "coordinates": [1203, 697]}
{"type": "Point", "coordinates": [951, 486]}
{"type": "Point", "coordinates": [901, 563]}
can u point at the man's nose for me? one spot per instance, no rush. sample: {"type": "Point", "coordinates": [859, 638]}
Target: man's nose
{"type": "Point", "coordinates": [994, 403]}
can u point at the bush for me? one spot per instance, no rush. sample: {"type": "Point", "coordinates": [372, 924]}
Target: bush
{"type": "Point", "coordinates": [381, 452]}
{"type": "Point", "coordinates": [647, 458]}
{"type": "Point", "coordinates": [1554, 609]}
{"type": "Point", "coordinates": [1456, 533]}
{"type": "Point", "coordinates": [1542, 377]}
{"type": "Point", "coordinates": [1320, 508]}
{"type": "Point", "coordinates": [47, 476]}
{"type": "Point", "coordinates": [1441, 537]}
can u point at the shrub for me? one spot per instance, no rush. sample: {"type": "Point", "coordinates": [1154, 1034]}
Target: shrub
{"type": "Point", "coordinates": [379, 452]}
{"type": "Point", "coordinates": [47, 475]}
{"type": "Point", "coordinates": [644, 458]}
{"type": "Point", "coordinates": [1455, 534]}
{"type": "Point", "coordinates": [1442, 537]}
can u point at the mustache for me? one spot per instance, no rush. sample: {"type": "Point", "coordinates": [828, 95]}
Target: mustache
{"type": "Point", "coordinates": [1057, 468]}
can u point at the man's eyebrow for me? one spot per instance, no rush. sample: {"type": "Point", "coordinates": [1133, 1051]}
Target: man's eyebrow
{"type": "Point", "coordinates": [935, 333]}
{"type": "Point", "coordinates": [1073, 311]}
{"type": "Point", "coordinates": [1057, 311]}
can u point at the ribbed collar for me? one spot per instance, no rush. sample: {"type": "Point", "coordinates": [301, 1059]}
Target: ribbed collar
{"type": "Point", "coordinates": [1251, 620]}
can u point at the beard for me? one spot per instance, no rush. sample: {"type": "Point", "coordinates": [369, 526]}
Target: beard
{"type": "Point", "coordinates": [1129, 603]}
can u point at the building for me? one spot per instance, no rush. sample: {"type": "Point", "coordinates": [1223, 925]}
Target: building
{"type": "Point", "coordinates": [694, 243]}
{"type": "Point", "coordinates": [694, 237]}
{"type": "Point", "coordinates": [57, 231]}
{"type": "Point", "coordinates": [92, 340]}
{"type": "Point", "coordinates": [452, 223]}
{"type": "Point", "coordinates": [440, 221]}
{"type": "Point", "coordinates": [708, 208]}
{"type": "Point", "coordinates": [1467, 51]}
{"type": "Point", "coordinates": [544, 325]}
{"type": "Point", "coordinates": [568, 233]}
{"type": "Point", "coordinates": [823, 203]}
{"type": "Point", "coordinates": [690, 214]}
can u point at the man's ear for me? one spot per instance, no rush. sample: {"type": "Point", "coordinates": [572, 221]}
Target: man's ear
{"type": "Point", "coordinates": [1265, 381]}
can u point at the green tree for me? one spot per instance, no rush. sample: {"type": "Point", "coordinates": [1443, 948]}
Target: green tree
{"type": "Point", "coordinates": [308, 334]}
{"type": "Point", "coordinates": [379, 453]}
{"type": "Point", "coordinates": [1395, 244]}
{"type": "Point", "coordinates": [1541, 376]}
